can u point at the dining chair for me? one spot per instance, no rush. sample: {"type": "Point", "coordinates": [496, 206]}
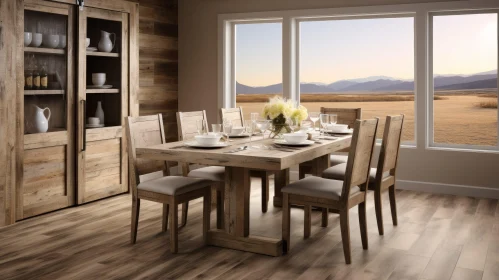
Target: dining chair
{"type": "Point", "coordinates": [346, 116]}
{"type": "Point", "coordinates": [160, 186]}
{"type": "Point", "coordinates": [187, 130]}
{"type": "Point", "coordinates": [335, 194]}
{"type": "Point", "coordinates": [382, 177]}
{"type": "Point", "coordinates": [237, 118]}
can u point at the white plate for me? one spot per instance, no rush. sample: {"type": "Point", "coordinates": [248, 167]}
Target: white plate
{"type": "Point", "coordinates": [91, 49]}
{"type": "Point", "coordinates": [99, 87]}
{"type": "Point", "coordinates": [195, 144]}
{"type": "Point", "coordinates": [283, 142]}
{"type": "Point", "coordinates": [94, 125]}
{"type": "Point", "coordinates": [346, 131]}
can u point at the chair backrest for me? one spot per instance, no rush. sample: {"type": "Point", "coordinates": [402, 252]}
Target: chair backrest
{"type": "Point", "coordinates": [186, 122]}
{"type": "Point", "coordinates": [141, 132]}
{"type": "Point", "coordinates": [360, 155]}
{"type": "Point", "coordinates": [234, 114]}
{"type": "Point", "coordinates": [345, 115]}
{"type": "Point", "coordinates": [390, 146]}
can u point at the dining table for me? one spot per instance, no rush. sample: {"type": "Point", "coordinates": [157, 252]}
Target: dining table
{"type": "Point", "coordinates": [239, 157]}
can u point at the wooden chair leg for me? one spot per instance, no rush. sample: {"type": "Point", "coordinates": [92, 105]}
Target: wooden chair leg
{"type": "Point", "coordinates": [206, 215]}
{"type": "Point", "coordinates": [135, 219]}
{"type": "Point", "coordinates": [265, 192]}
{"type": "Point", "coordinates": [165, 216]}
{"type": "Point", "coordinates": [345, 235]}
{"type": "Point", "coordinates": [308, 221]}
{"type": "Point", "coordinates": [393, 204]}
{"type": "Point", "coordinates": [379, 212]}
{"type": "Point", "coordinates": [185, 209]}
{"type": "Point", "coordinates": [220, 208]}
{"type": "Point", "coordinates": [363, 225]}
{"type": "Point", "coordinates": [174, 227]}
{"type": "Point", "coordinates": [324, 217]}
{"type": "Point", "coordinates": [286, 223]}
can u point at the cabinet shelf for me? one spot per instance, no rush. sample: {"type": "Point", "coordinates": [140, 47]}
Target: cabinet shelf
{"type": "Point", "coordinates": [103, 54]}
{"type": "Point", "coordinates": [44, 50]}
{"type": "Point", "coordinates": [109, 90]}
{"type": "Point", "coordinates": [44, 92]}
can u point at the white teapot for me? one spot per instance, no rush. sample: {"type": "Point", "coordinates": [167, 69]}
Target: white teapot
{"type": "Point", "coordinates": [37, 122]}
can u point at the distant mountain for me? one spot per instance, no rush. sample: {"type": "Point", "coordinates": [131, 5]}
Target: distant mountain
{"type": "Point", "coordinates": [482, 84]}
{"type": "Point", "coordinates": [383, 84]}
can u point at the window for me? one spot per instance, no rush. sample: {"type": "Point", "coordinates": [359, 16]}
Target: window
{"type": "Point", "coordinates": [258, 64]}
{"type": "Point", "coordinates": [465, 48]}
{"type": "Point", "coordinates": [360, 63]}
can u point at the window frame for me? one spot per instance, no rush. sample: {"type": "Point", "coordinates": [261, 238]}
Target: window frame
{"type": "Point", "coordinates": [290, 19]}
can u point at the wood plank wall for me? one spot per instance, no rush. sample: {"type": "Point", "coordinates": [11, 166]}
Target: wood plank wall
{"type": "Point", "coordinates": [158, 56]}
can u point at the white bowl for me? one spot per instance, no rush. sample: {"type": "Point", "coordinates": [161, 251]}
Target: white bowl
{"type": "Point", "coordinates": [87, 42]}
{"type": "Point", "coordinates": [50, 41]}
{"type": "Point", "coordinates": [236, 130]}
{"type": "Point", "coordinates": [336, 127]}
{"type": "Point", "coordinates": [207, 140]}
{"type": "Point", "coordinates": [295, 138]}
{"type": "Point", "coordinates": [93, 121]}
{"type": "Point", "coordinates": [37, 40]}
{"type": "Point", "coordinates": [98, 79]}
{"type": "Point", "coordinates": [28, 37]}
{"type": "Point", "coordinates": [62, 42]}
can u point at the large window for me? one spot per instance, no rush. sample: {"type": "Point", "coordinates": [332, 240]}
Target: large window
{"type": "Point", "coordinates": [465, 79]}
{"type": "Point", "coordinates": [360, 63]}
{"type": "Point", "coordinates": [258, 64]}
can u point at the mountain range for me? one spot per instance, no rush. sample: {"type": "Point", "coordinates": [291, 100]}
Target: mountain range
{"type": "Point", "coordinates": [482, 80]}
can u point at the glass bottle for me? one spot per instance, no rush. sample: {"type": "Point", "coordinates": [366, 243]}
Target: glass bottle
{"type": "Point", "coordinates": [28, 78]}
{"type": "Point", "coordinates": [36, 75]}
{"type": "Point", "coordinates": [44, 77]}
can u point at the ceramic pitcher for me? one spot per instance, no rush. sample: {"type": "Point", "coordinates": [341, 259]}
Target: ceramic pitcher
{"type": "Point", "coordinates": [105, 43]}
{"type": "Point", "coordinates": [39, 122]}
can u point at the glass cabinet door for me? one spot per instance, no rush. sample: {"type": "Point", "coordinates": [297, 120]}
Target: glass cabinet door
{"type": "Point", "coordinates": [102, 103]}
{"type": "Point", "coordinates": [46, 182]}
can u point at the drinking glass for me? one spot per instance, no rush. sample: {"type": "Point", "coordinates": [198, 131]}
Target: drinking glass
{"type": "Point", "coordinates": [200, 127]}
{"type": "Point", "coordinates": [314, 117]}
{"type": "Point", "coordinates": [293, 123]}
{"type": "Point", "coordinates": [263, 125]}
{"type": "Point", "coordinates": [306, 125]}
{"type": "Point", "coordinates": [216, 128]}
{"type": "Point", "coordinates": [227, 128]}
{"type": "Point", "coordinates": [248, 126]}
{"type": "Point", "coordinates": [324, 121]}
{"type": "Point", "coordinates": [254, 117]}
{"type": "Point", "coordinates": [333, 118]}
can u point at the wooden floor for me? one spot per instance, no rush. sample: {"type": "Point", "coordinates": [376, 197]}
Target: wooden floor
{"type": "Point", "coordinates": [439, 237]}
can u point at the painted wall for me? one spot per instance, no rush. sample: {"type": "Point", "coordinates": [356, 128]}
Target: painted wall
{"type": "Point", "coordinates": [198, 87]}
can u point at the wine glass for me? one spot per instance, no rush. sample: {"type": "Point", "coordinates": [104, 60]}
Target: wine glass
{"type": "Point", "coordinates": [314, 117]}
{"type": "Point", "coordinates": [227, 128]}
{"type": "Point", "coordinates": [248, 126]}
{"type": "Point", "coordinates": [333, 118]}
{"type": "Point", "coordinates": [324, 121]}
{"type": "Point", "coordinates": [306, 125]}
{"type": "Point", "coordinates": [293, 123]}
{"type": "Point", "coordinates": [254, 117]}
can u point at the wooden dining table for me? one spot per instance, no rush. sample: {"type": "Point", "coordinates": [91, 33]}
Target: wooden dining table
{"type": "Point", "coordinates": [260, 154]}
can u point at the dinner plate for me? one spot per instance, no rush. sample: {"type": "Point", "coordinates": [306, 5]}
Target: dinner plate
{"type": "Point", "coordinates": [242, 135]}
{"type": "Point", "coordinates": [99, 87]}
{"type": "Point", "coordinates": [91, 49]}
{"type": "Point", "coordinates": [94, 125]}
{"type": "Point", "coordinates": [195, 144]}
{"type": "Point", "coordinates": [283, 142]}
{"type": "Point", "coordinates": [346, 131]}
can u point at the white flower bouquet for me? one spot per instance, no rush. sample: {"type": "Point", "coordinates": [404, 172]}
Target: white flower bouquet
{"type": "Point", "coordinates": [278, 110]}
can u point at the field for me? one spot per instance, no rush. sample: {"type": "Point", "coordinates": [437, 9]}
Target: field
{"type": "Point", "coordinates": [461, 117]}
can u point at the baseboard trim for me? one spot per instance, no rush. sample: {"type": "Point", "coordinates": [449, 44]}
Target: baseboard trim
{"type": "Point", "coordinates": [461, 190]}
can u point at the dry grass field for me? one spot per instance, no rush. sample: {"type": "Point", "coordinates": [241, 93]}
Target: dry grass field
{"type": "Point", "coordinates": [460, 117]}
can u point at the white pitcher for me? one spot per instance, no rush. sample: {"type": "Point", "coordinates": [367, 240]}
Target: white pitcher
{"type": "Point", "coordinates": [39, 123]}
{"type": "Point", "coordinates": [105, 43]}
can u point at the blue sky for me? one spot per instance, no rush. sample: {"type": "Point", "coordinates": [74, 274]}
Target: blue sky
{"type": "Point", "coordinates": [348, 49]}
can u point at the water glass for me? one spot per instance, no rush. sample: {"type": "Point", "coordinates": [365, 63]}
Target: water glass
{"type": "Point", "coordinates": [306, 125]}
{"type": "Point", "coordinates": [227, 128]}
{"type": "Point", "coordinates": [249, 126]}
{"type": "Point", "coordinates": [333, 118]}
{"type": "Point", "coordinates": [254, 117]}
{"type": "Point", "coordinates": [324, 121]}
{"type": "Point", "coordinates": [293, 123]}
{"type": "Point", "coordinates": [200, 127]}
{"type": "Point", "coordinates": [263, 125]}
{"type": "Point", "coordinates": [314, 117]}
{"type": "Point", "coordinates": [216, 128]}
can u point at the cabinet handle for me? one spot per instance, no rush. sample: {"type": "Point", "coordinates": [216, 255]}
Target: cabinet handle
{"type": "Point", "coordinates": [84, 144]}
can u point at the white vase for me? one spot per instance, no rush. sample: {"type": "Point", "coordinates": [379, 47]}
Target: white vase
{"type": "Point", "coordinates": [39, 123]}
{"type": "Point", "coordinates": [105, 43]}
{"type": "Point", "coordinates": [99, 113]}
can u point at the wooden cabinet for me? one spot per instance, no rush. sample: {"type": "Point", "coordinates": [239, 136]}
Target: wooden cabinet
{"type": "Point", "coordinates": [102, 154]}
{"type": "Point", "coordinates": [60, 160]}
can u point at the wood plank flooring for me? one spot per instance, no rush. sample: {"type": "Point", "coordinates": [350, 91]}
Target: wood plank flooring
{"type": "Point", "coordinates": [439, 237]}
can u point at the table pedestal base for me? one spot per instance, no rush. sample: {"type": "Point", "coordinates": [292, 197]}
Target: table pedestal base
{"type": "Point", "coordinates": [253, 244]}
